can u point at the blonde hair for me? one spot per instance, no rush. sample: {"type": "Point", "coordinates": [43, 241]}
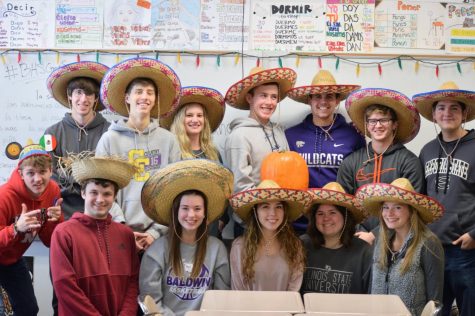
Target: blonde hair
{"type": "Point", "coordinates": [206, 143]}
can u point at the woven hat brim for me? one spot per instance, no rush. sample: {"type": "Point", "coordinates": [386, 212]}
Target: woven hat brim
{"type": "Point", "coordinates": [284, 77]}
{"type": "Point", "coordinates": [117, 79]}
{"type": "Point", "coordinates": [374, 194]}
{"type": "Point", "coordinates": [211, 178]}
{"type": "Point", "coordinates": [302, 94]}
{"type": "Point", "coordinates": [211, 99]}
{"type": "Point", "coordinates": [424, 101]}
{"type": "Point", "coordinates": [409, 121]}
{"type": "Point", "coordinates": [120, 172]}
{"type": "Point", "coordinates": [59, 79]}
{"type": "Point", "coordinates": [297, 200]}
{"type": "Point", "coordinates": [348, 201]}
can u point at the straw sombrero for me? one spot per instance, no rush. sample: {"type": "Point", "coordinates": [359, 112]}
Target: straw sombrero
{"type": "Point", "coordinates": [107, 168]}
{"type": "Point", "coordinates": [401, 191]}
{"type": "Point", "coordinates": [323, 82]}
{"type": "Point", "coordinates": [209, 177]}
{"type": "Point", "coordinates": [448, 91]}
{"type": "Point", "coordinates": [212, 100]}
{"type": "Point", "coordinates": [333, 193]}
{"type": "Point", "coordinates": [266, 191]}
{"type": "Point", "coordinates": [59, 79]}
{"type": "Point", "coordinates": [284, 77]}
{"type": "Point", "coordinates": [408, 117]}
{"type": "Point", "coordinates": [118, 78]}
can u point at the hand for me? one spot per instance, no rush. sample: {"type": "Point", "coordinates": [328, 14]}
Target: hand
{"type": "Point", "coordinates": [28, 220]}
{"type": "Point", "coordinates": [465, 241]}
{"type": "Point", "coordinates": [143, 240]}
{"type": "Point", "coordinates": [54, 212]}
{"type": "Point", "coordinates": [368, 237]}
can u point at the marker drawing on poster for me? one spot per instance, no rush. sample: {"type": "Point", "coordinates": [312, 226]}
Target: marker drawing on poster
{"type": "Point", "coordinates": [461, 28]}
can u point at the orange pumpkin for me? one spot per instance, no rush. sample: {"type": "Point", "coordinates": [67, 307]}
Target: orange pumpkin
{"type": "Point", "coordinates": [287, 168]}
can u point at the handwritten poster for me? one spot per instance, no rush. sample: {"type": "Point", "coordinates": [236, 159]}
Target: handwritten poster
{"type": "Point", "coordinates": [27, 24]}
{"type": "Point", "coordinates": [79, 23]}
{"type": "Point", "coordinates": [127, 24]}
{"type": "Point", "coordinates": [222, 25]}
{"type": "Point", "coordinates": [350, 25]}
{"type": "Point", "coordinates": [461, 28]}
{"type": "Point", "coordinates": [288, 25]}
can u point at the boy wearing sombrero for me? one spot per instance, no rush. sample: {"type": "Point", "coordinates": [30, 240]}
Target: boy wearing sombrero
{"type": "Point", "coordinates": [76, 87]}
{"type": "Point", "coordinates": [94, 262]}
{"type": "Point", "coordinates": [449, 164]}
{"type": "Point", "coordinates": [141, 90]}
{"type": "Point", "coordinates": [390, 120]}
{"type": "Point", "coordinates": [252, 138]}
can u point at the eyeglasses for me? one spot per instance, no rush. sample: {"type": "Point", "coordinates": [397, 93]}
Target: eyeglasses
{"type": "Point", "coordinates": [382, 121]}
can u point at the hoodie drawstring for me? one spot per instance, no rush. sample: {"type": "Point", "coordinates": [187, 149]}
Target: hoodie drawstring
{"type": "Point", "coordinates": [105, 238]}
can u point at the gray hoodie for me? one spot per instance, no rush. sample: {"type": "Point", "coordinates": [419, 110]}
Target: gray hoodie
{"type": "Point", "coordinates": [150, 151]}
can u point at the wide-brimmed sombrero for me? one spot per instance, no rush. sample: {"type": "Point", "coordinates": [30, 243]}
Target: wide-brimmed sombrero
{"type": "Point", "coordinates": [323, 82]}
{"type": "Point", "coordinates": [212, 100]}
{"type": "Point", "coordinates": [373, 195]}
{"type": "Point", "coordinates": [209, 177]}
{"type": "Point", "coordinates": [266, 191]}
{"type": "Point", "coordinates": [333, 193]}
{"type": "Point", "coordinates": [408, 117]}
{"type": "Point", "coordinates": [284, 77]}
{"type": "Point", "coordinates": [59, 79]}
{"type": "Point", "coordinates": [117, 79]}
{"type": "Point", "coordinates": [448, 91]}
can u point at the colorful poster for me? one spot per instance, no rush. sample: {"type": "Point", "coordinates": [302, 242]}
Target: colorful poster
{"type": "Point", "coordinates": [288, 25]}
{"type": "Point", "coordinates": [127, 24]}
{"type": "Point", "coordinates": [176, 24]}
{"type": "Point", "coordinates": [27, 24]}
{"type": "Point", "coordinates": [350, 26]}
{"type": "Point", "coordinates": [222, 25]}
{"type": "Point", "coordinates": [410, 24]}
{"type": "Point", "coordinates": [79, 23]}
{"type": "Point", "coordinates": [461, 28]}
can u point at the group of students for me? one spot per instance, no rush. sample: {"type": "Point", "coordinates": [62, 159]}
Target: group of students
{"type": "Point", "coordinates": [172, 204]}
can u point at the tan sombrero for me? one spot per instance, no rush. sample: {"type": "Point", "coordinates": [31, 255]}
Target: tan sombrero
{"type": "Point", "coordinates": [108, 168]}
{"type": "Point", "coordinates": [284, 77]}
{"type": "Point", "coordinates": [323, 82]}
{"type": "Point", "coordinates": [209, 177]}
{"type": "Point", "coordinates": [373, 195]}
{"type": "Point", "coordinates": [59, 79]}
{"type": "Point", "coordinates": [266, 191]}
{"type": "Point", "coordinates": [333, 193]}
{"type": "Point", "coordinates": [118, 78]}
{"type": "Point", "coordinates": [448, 91]}
{"type": "Point", "coordinates": [212, 100]}
{"type": "Point", "coordinates": [408, 117]}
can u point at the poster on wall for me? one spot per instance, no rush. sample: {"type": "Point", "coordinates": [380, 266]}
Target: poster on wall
{"type": "Point", "coordinates": [79, 24]}
{"type": "Point", "coordinates": [127, 24]}
{"type": "Point", "coordinates": [460, 28]}
{"type": "Point", "coordinates": [350, 25]}
{"type": "Point", "coordinates": [27, 24]}
{"type": "Point", "coordinates": [287, 25]}
{"type": "Point", "coordinates": [410, 24]}
{"type": "Point", "coordinates": [224, 25]}
{"type": "Point", "coordinates": [175, 24]}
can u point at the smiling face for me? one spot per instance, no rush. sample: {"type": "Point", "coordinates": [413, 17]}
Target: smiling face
{"type": "Point", "coordinates": [141, 99]}
{"type": "Point", "coordinates": [270, 215]}
{"type": "Point", "coordinates": [323, 107]}
{"type": "Point", "coordinates": [98, 198]}
{"type": "Point", "coordinates": [396, 216]}
{"type": "Point", "coordinates": [449, 115]}
{"type": "Point", "coordinates": [191, 213]}
{"type": "Point", "coordinates": [82, 104]}
{"type": "Point", "coordinates": [381, 126]}
{"type": "Point", "coordinates": [263, 102]}
{"type": "Point", "coordinates": [36, 179]}
{"type": "Point", "coordinates": [329, 221]}
{"type": "Point", "coordinates": [194, 119]}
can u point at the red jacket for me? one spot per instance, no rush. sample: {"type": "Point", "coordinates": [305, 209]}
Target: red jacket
{"type": "Point", "coordinates": [12, 195]}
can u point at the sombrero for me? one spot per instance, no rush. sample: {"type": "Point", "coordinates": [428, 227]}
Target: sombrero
{"type": "Point", "coordinates": [333, 193]}
{"type": "Point", "coordinates": [284, 77]}
{"type": "Point", "coordinates": [209, 177]}
{"type": "Point", "coordinates": [59, 79]}
{"type": "Point", "coordinates": [212, 100]}
{"type": "Point", "coordinates": [323, 82]}
{"type": "Point", "coordinates": [401, 191]}
{"type": "Point", "coordinates": [408, 117]}
{"type": "Point", "coordinates": [266, 191]}
{"type": "Point", "coordinates": [448, 91]}
{"type": "Point", "coordinates": [118, 78]}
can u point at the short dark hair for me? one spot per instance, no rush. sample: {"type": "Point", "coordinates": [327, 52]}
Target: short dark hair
{"type": "Point", "coordinates": [89, 85]}
{"type": "Point", "coordinates": [251, 92]}
{"type": "Point", "coordinates": [102, 182]}
{"type": "Point", "coordinates": [142, 81]}
{"type": "Point", "coordinates": [462, 105]}
{"type": "Point", "coordinates": [380, 108]}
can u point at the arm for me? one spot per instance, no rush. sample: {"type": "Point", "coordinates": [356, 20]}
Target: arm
{"type": "Point", "coordinates": [411, 168]}
{"type": "Point", "coordinates": [175, 152]}
{"type": "Point", "coordinates": [296, 278]}
{"type": "Point", "coordinates": [237, 279]}
{"type": "Point", "coordinates": [432, 261]}
{"type": "Point", "coordinates": [8, 236]}
{"type": "Point", "coordinates": [53, 212]}
{"type": "Point", "coordinates": [238, 158]}
{"type": "Point", "coordinates": [221, 273]}
{"type": "Point", "coordinates": [346, 175]}
{"type": "Point", "coordinates": [103, 147]}
{"type": "Point", "coordinates": [129, 307]}
{"type": "Point", "coordinates": [117, 213]}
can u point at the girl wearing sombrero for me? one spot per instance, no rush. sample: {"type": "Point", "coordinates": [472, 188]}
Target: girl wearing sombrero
{"type": "Point", "coordinates": [179, 267]}
{"type": "Point", "coordinates": [408, 258]}
{"type": "Point", "coordinates": [268, 257]}
{"type": "Point", "coordinates": [332, 249]}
